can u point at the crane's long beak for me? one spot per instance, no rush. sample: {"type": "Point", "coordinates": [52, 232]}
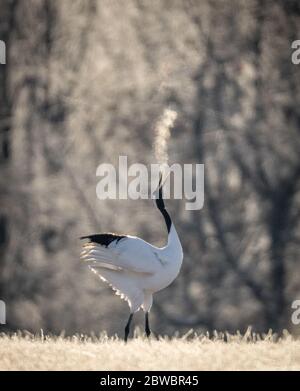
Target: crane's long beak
{"type": "Point", "coordinates": [157, 191]}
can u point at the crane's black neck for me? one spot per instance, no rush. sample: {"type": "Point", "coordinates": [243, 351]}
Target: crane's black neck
{"type": "Point", "coordinates": [161, 205]}
{"type": "Point", "coordinates": [167, 218]}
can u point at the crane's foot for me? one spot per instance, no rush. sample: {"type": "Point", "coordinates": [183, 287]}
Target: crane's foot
{"type": "Point", "coordinates": [147, 326]}
{"type": "Point", "coordinates": [127, 328]}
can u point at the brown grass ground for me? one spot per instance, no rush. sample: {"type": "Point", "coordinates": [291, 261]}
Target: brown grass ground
{"type": "Point", "coordinates": [190, 352]}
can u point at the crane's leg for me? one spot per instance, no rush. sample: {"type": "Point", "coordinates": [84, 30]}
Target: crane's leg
{"type": "Point", "coordinates": [147, 327]}
{"type": "Point", "coordinates": [127, 328]}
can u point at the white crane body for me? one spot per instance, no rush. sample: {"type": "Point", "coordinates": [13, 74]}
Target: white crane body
{"type": "Point", "coordinates": [134, 268]}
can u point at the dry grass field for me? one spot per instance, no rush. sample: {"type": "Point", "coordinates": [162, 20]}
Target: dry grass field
{"type": "Point", "coordinates": [190, 352]}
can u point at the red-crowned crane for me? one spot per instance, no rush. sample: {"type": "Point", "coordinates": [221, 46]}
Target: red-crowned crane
{"type": "Point", "coordinates": [134, 268]}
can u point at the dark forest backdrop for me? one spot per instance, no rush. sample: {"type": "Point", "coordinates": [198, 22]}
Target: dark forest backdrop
{"type": "Point", "coordinates": [85, 82]}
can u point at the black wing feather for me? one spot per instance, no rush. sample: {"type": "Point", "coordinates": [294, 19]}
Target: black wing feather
{"type": "Point", "coordinates": [103, 239]}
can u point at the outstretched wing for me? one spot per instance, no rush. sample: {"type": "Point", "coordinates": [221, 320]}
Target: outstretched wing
{"type": "Point", "coordinates": [129, 254]}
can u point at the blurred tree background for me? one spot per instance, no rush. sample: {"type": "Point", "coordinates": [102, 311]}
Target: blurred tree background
{"type": "Point", "coordinates": [85, 82]}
